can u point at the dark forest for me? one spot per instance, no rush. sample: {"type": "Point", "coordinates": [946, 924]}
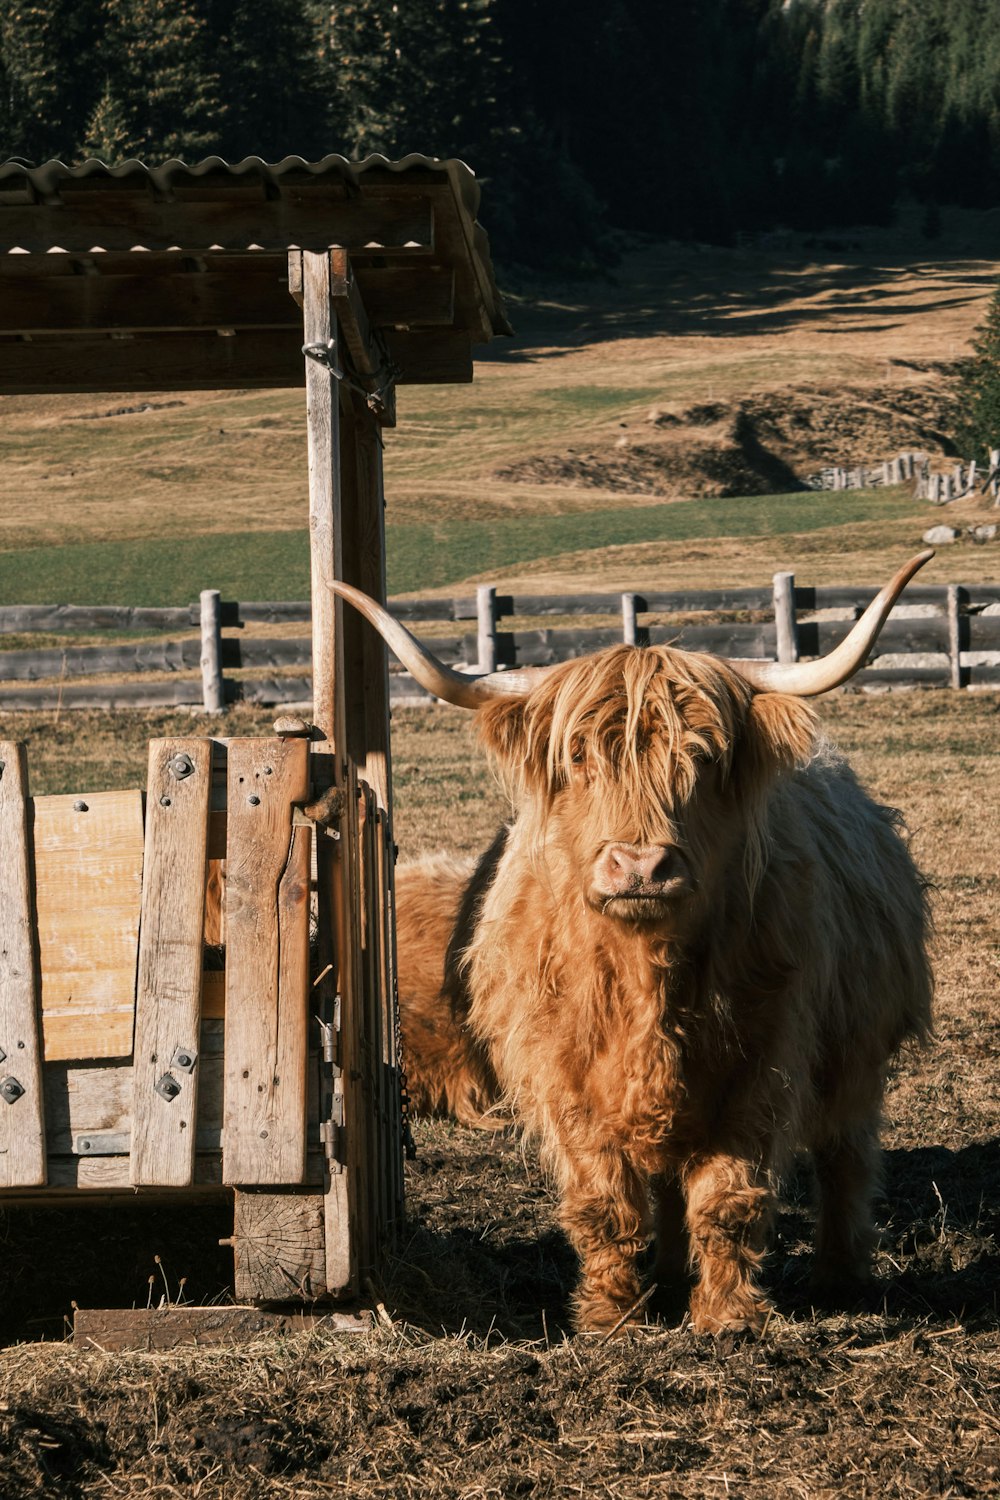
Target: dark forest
{"type": "Point", "coordinates": [696, 119]}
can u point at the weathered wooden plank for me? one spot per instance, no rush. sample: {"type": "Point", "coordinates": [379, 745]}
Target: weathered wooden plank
{"type": "Point", "coordinates": [168, 992]}
{"type": "Point", "coordinates": [279, 1246]}
{"type": "Point", "coordinates": [156, 694]}
{"type": "Point", "coordinates": [205, 299]}
{"type": "Point", "coordinates": [54, 617]}
{"type": "Point", "coordinates": [88, 853]}
{"type": "Point", "coordinates": [22, 1122]}
{"type": "Point", "coordinates": [251, 359]}
{"type": "Point", "coordinates": [267, 955]}
{"type": "Point", "coordinates": [149, 1329]}
{"type": "Point", "coordinates": [99, 661]}
{"type": "Point", "coordinates": [228, 223]}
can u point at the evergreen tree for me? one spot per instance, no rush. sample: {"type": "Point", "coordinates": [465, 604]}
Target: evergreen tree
{"type": "Point", "coordinates": [979, 389]}
{"type": "Point", "coordinates": [47, 59]}
{"type": "Point", "coordinates": [160, 87]}
{"type": "Point", "coordinates": [271, 76]}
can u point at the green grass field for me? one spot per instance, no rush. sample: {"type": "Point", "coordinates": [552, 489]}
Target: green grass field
{"type": "Point", "coordinates": [421, 555]}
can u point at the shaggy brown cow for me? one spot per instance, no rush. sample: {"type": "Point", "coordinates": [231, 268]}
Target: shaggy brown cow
{"type": "Point", "coordinates": [695, 949]}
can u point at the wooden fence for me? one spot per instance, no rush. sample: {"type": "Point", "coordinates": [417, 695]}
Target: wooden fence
{"type": "Point", "coordinates": [939, 487]}
{"type": "Point", "coordinates": [953, 640]}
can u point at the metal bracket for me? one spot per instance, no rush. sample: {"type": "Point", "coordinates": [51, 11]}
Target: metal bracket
{"type": "Point", "coordinates": [325, 355]}
{"type": "Point", "coordinates": [103, 1143]}
{"type": "Point", "coordinates": [11, 1090]}
{"type": "Point", "coordinates": [167, 1087]}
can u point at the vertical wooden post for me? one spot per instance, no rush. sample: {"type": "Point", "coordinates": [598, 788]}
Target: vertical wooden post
{"type": "Point", "coordinates": [213, 689]}
{"type": "Point", "coordinates": [486, 627]}
{"type": "Point", "coordinates": [309, 282]}
{"type": "Point", "coordinates": [22, 1124]}
{"type": "Point", "coordinates": [954, 635]}
{"type": "Point", "coordinates": [629, 620]}
{"type": "Point", "coordinates": [785, 627]}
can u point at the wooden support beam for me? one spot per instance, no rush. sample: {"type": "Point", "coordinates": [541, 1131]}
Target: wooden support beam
{"type": "Point", "coordinates": [22, 1118]}
{"type": "Point", "coordinates": [366, 350]}
{"type": "Point", "coordinates": [147, 303]}
{"type": "Point", "coordinates": [279, 1246]}
{"type": "Point", "coordinates": [151, 362]}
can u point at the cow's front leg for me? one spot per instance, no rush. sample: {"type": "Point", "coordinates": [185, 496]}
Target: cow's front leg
{"type": "Point", "coordinates": [730, 1209]}
{"type": "Point", "coordinates": [604, 1209]}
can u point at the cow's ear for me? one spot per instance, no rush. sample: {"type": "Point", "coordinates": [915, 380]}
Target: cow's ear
{"type": "Point", "coordinates": [515, 736]}
{"type": "Point", "coordinates": [782, 730]}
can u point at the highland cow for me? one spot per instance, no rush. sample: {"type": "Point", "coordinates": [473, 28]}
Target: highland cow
{"type": "Point", "coordinates": [696, 949]}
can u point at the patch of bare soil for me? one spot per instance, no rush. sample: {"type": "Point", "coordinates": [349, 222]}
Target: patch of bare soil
{"type": "Point", "coordinates": [762, 443]}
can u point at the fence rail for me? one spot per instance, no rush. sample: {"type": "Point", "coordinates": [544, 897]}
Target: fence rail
{"type": "Point", "coordinates": [950, 632]}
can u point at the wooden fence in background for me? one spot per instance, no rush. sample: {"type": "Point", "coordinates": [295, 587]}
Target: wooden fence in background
{"type": "Point", "coordinates": [952, 639]}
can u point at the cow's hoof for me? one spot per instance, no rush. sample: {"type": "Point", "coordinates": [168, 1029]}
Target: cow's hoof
{"type": "Point", "coordinates": [749, 1316]}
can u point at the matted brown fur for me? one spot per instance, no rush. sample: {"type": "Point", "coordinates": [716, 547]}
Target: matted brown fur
{"type": "Point", "coordinates": [671, 1051]}
{"type": "Point", "coordinates": [445, 1071]}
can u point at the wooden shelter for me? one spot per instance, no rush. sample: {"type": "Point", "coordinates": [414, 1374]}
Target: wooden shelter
{"type": "Point", "coordinates": [155, 1038]}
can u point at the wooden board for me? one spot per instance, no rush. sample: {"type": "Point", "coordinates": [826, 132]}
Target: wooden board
{"type": "Point", "coordinates": [171, 946]}
{"type": "Point", "coordinates": [88, 850]}
{"type": "Point", "coordinates": [173, 1327]}
{"type": "Point", "coordinates": [267, 963]}
{"type": "Point", "coordinates": [22, 1127]}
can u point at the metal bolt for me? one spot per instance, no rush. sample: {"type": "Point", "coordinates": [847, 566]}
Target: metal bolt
{"type": "Point", "coordinates": [168, 1088]}
{"type": "Point", "coordinates": [181, 766]}
{"type": "Point", "coordinates": [79, 805]}
{"type": "Point", "coordinates": [3, 1054]}
{"type": "Point", "coordinates": [11, 1090]}
{"type": "Point", "coordinates": [164, 801]}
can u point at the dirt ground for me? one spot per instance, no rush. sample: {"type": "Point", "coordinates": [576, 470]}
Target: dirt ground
{"type": "Point", "coordinates": [476, 1390]}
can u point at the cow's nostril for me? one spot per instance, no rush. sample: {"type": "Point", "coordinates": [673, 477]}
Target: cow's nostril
{"type": "Point", "coordinates": [663, 867]}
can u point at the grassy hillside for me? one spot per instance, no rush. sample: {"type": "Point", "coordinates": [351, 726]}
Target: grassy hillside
{"type": "Point", "coordinates": [616, 401]}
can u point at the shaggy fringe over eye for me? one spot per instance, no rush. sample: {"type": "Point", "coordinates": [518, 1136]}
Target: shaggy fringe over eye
{"type": "Point", "coordinates": [638, 724]}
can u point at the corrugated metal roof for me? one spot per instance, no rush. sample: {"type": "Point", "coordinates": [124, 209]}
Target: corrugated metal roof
{"type": "Point", "coordinates": [55, 184]}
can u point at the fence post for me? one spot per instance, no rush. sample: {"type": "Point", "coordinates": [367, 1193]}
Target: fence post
{"type": "Point", "coordinates": [785, 627]}
{"type": "Point", "coordinates": [954, 635]}
{"type": "Point", "coordinates": [486, 627]}
{"type": "Point", "coordinates": [628, 620]}
{"type": "Point", "coordinates": [213, 689]}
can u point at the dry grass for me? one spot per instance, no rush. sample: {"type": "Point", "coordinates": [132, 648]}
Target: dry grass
{"type": "Point", "coordinates": [477, 1391]}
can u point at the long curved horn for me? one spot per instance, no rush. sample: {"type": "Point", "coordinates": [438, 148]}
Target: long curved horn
{"type": "Point", "coordinates": [806, 679]}
{"type": "Point", "coordinates": [465, 690]}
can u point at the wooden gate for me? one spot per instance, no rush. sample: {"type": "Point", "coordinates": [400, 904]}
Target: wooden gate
{"type": "Point", "coordinates": [177, 1018]}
